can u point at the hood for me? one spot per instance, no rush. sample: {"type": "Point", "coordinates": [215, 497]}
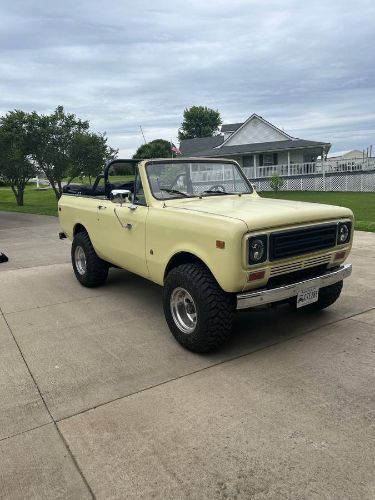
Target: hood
{"type": "Point", "coordinates": [262, 213]}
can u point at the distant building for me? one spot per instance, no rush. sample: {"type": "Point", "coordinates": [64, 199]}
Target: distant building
{"type": "Point", "coordinates": [343, 161]}
{"type": "Point", "coordinates": [257, 145]}
{"type": "Point", "coordinates": [345, 155]}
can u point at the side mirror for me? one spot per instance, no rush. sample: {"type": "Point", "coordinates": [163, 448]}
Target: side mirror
{"type": "Point", "coordinates": [119, 196]}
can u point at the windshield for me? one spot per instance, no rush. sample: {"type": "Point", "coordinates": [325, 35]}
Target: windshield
{"type": "Point", "coordinates": [170, 180]}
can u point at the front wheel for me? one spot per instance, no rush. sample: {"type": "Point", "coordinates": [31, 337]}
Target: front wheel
{"type": "Point", "coordinates": [198, 312]}
{"type": "Point", "coordinates": [89, 269]}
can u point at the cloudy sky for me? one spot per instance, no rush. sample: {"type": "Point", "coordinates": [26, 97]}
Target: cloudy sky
{"type": "Point", "coordinates": [308, 67]}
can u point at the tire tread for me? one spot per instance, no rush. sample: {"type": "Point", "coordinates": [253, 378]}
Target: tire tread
{"type": "Point", "coordinates": [218, 307]}
{"type": "Point", "coordinates": [97, 269]}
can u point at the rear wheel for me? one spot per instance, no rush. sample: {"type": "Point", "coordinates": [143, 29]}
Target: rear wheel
{"type": "Point", "coordinates": [89, 269]}
{"type": "Point", "coordinates": [198, 312]}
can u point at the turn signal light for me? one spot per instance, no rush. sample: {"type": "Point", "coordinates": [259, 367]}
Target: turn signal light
{"type": "Point", "coordinates": [220, 244]}
{"type": "Point", "coordinates": [257, 275]}
{"type": "Point", "coordinates": [340, 255]}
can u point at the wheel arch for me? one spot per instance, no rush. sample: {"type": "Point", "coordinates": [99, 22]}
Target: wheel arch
{"type": "Point", "coordinates": [79, 228]}
{"type": "Point", "coordinates": [180, 258]}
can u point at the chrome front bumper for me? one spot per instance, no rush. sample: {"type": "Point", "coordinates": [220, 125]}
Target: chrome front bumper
{"type": "Point", "coordinates": [269, 295]}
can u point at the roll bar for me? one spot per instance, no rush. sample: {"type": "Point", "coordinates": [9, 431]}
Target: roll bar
{"type": "Point", "coordinates": [104, 175]}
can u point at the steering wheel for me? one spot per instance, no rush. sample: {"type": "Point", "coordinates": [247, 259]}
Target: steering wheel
{"type": "Point", "coordinates": [217, 187]}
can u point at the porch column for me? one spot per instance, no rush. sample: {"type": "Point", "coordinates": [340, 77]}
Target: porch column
{"type": "Point", "coordinates": [288, 163]}
{"type": "Point", "coordinates": [323, 170]}
{"type": "Point", "coordinates": [255, 165]}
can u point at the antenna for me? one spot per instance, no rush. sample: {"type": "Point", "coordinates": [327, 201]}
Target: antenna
{"type": "Point", "coordinates": [140, 126]}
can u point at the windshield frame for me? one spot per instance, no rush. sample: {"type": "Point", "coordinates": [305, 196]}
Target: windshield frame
{"type": "Point", "coordinates": [196, 160]}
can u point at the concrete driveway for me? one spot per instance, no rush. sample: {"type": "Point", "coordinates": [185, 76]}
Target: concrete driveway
{"type": "Point", "coordinates": [98, 400]}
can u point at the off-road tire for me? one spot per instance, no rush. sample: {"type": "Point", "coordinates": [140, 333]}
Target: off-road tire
{"type": "Point", "coordinates": [215, 308]}
{"type": "Point", "coordinates": [327, 296]}
{"type": "Point", "coordinates": [96, 269]}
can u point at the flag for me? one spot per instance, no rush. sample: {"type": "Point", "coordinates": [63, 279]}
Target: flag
{"type": "Point", "coordinates": [175, 149]}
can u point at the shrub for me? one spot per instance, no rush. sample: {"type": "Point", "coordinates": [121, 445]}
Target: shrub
{"type": "Point", "coordinates": [276, 182]}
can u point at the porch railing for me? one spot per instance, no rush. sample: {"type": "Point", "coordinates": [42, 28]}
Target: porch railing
{"type": "Point", "coordinates": [328, 166]}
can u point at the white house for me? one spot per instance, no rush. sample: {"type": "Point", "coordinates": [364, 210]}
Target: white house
{"type": "Point", "coordinates": [257, 145]}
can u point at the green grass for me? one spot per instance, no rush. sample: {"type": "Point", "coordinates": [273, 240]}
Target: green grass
{"type": "Point", "coordinates": [362, 204]}
{"type": "Point", "coordinates": [36, 201]}
{"type": "Point", "coordinates": [41, 201]}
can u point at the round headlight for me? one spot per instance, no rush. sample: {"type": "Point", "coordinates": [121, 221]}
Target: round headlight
{"type": "Point", "coordinates": [256, 250]}
{"type": "Point", "coordinates": [343, 233]}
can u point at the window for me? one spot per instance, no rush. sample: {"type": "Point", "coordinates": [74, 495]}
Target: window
{"type": "Point", "coordinates": [139, 194]}
{"type": "Point", "coordinates": [170, 180]}
{"type": "Point", "coordinates": [125, 175]}
{"type": "Point", "coordinates": [268, 159]}
{"type": "Point", "coordinates": [248, 161]}
{"type": "Point", "coordinates": [309, 157]}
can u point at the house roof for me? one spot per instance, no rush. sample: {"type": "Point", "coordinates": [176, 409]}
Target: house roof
{"type": "Point", "coordinates": [219, 146]}
{"type": "Point", "coordinates": [190, 146]}
{"type": "Point", "coordinates": [261, 147]}
{"type": "Point", "coordinates": [231, 127]}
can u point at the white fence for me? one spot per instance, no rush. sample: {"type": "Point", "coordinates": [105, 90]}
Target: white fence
{"type": "Point", "coordinates": [361, 181]}
{"type": "Point", "coordinates": [357, 174]}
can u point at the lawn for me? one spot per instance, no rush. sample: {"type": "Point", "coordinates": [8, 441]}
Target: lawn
{"type": "Point", "coordinates": [362, 204]}
{"type": "Point", "coordinates": [37, 201]}
{"type": "Point", "coordinates": [43, 201]}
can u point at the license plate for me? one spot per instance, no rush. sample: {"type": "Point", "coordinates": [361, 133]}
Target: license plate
{"type": "Point", "coordinates": [306, 297]}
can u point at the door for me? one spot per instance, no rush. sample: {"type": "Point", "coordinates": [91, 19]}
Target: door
{"type": "Point", "coordinates": [122, 228]}
{"type": "Point", "coordinates": [123, 235]}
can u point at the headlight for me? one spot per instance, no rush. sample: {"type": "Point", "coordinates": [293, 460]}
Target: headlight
{"type": "Point", "coordinates": [343, 232]}
{"type": "Point", "coordinates": [257, 249]}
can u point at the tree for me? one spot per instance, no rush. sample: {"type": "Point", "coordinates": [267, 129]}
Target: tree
{"type": "Point", "coordinates": [53, 137]}
{"type": "Point", "coordinates": [88, 153]}
{"type": "Point", "coordinates": [16, 168]}
{"type": "Point", "coordinates": [154, 149]}
{"type": "Point", "coordinates": [199, 121]}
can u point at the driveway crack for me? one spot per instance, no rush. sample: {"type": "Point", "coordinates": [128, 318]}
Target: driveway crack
{"type": "Point", "coordinates": [53, 421]}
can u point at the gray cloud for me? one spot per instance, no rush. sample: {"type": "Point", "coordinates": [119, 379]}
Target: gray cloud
{"type": "Point", "coordinates": [307, 67]}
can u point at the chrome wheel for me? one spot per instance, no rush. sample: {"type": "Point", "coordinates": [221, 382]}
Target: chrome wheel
{"type": "Point", "coordinates": [80, 260]}
{"type": "Point", "coordinates": [183, 310]}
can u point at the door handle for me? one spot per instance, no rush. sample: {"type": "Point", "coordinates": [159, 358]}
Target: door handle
{"type": "Point", "coordinates": [101, 207]}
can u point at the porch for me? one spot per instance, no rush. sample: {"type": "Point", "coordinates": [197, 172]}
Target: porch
{"type": "Point", "coordinates": [320, 167]}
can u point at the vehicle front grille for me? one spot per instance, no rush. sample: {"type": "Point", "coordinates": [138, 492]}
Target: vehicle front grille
{"type": "Point", "coordinates": [297, 265]}
{"type": "Point", "coordinates": [293, 277]}
{"type": "Point", "coordinates": [285, 244]}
